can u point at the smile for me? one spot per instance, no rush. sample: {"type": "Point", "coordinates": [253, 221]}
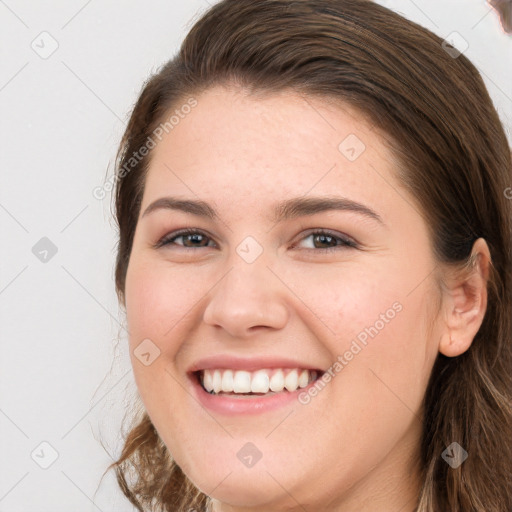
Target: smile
{"type": "Point", "coordinates": [228, 384]}
{"type": "Point", "coordinates": [275, 380]}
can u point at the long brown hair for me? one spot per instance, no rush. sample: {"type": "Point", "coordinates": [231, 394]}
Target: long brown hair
{"type": "Point", "coordinates": [451, 154]}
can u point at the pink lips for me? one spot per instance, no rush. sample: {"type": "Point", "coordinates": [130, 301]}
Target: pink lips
{"type": "Point", "coordinates": [248, 364]}
{"type": "Point", "coordinates": [245, 404]}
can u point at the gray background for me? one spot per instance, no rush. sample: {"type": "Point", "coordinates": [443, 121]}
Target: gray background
{"type": "Point", "coordinates": [65, 377]}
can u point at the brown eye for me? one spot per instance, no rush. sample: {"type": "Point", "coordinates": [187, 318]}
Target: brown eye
{"type": "Point", "coordinates": [188, 239]}
{"type": "Point", "coordinates": [326, 241]}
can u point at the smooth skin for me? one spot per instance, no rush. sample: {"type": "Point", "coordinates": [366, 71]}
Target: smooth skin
{"type": "Point", "coordinates": [355, 446]}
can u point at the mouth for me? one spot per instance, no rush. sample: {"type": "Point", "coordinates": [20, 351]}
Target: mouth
{"type": "Point", "coordinates": [228, 384]}
{"type": "Point", "coordinates": [257, 383]}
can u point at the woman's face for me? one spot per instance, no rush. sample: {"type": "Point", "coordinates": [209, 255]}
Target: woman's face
{"type": "Point", "coordinates": [305, 255]}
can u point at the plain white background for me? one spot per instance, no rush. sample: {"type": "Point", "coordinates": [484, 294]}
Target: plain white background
{"type": "Point", "coordinates": [65, 377]}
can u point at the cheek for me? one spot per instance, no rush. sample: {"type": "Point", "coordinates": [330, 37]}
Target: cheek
{"type": "Point", "coordinates": [157, 302]}
{"type": "Point", "coordinates": [347, 299]}
{"type": "Point", "coordinates": [392, 367]}
{"type": "Point", "coordinates": [157, 298]}
{"type": "Point", "coordinates": [374, 323]}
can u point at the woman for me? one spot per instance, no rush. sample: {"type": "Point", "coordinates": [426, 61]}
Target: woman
{"type": "Point", "coordinates": [315, 263]}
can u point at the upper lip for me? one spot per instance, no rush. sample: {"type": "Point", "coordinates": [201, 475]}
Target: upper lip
{"type": "Point", "coordinates": [231, 362]}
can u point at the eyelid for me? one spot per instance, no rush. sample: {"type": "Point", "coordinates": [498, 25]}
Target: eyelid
{"type": "Point", "coordinates": [348, 242]}
{"type": "Point", "coordinates": [166, 239]}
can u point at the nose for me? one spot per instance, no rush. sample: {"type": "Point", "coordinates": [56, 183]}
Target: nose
{"type": "Point", "coordinates": [247, 299]}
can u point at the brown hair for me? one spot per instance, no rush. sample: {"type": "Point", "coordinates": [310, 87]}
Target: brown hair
{"type": "Point", "coordinates": [452, 155]}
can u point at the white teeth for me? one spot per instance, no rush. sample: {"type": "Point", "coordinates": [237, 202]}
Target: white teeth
{"type": "Point", "coordinates": [242, 382]}
{"type": "Point", "coordinates": [217, 381]}
{"type": "Point", "coordinates": [208, 381]}
{"type": "Point", "coordinates": [277, 381]}
{"type": "Point", "coordinates": [291, 381]}
{"type": "Point", "coordinates": [303, 379]}
{"type": "Point", "coordinates": [227, 381]}
{"type": "Point", "coordinates": [260, 381]}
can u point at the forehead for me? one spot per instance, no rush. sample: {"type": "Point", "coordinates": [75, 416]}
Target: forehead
{"type": "Point", "coordinates": [233, 146]}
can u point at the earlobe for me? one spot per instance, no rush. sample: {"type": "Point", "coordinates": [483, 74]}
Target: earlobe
{"type": "Point", "coordinates": [465, 304]}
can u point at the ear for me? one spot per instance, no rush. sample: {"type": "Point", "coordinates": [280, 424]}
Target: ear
{"type": "Point", "coordinates": [465, 303]}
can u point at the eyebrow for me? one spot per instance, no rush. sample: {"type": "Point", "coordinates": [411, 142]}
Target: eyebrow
{"type": "Point", "coordinates": [285, 210]}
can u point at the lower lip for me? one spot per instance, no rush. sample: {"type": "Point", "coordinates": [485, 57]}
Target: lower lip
{"type": "Point", "coordinates": [236, 405]}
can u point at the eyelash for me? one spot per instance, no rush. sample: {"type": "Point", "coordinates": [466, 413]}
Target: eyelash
{"type": "Point", "coordinates": [345, 241]}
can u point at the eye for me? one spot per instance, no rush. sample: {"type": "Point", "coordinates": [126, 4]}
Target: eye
{"type": "Point", "coordinates": [323, 240]}
{"type": "Point", "coordinates": [194, 237]}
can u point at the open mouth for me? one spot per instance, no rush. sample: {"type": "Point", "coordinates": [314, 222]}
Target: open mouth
{"type": "Point", "coordinates": [255, 383]}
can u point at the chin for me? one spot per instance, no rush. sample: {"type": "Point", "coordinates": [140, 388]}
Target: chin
{"type": "Point", "coordinates": [228, 480]}
{"type": "Point", "coordinates": [242, 488]}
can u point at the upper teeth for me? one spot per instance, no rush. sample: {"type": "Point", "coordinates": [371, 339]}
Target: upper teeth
{"type": "Point", "coordinates": [260, 381]}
